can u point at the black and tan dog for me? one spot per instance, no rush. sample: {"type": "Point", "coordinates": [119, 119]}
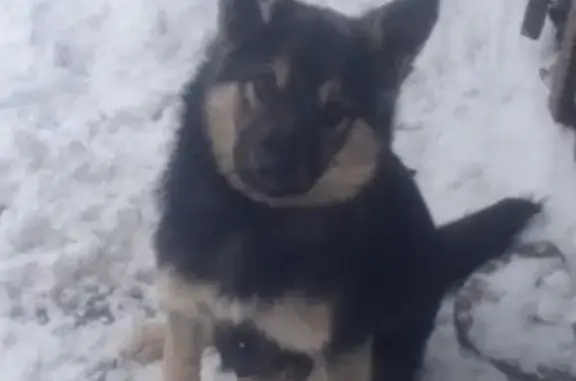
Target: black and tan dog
{"type": "Point", "coordinates": [291, 236]}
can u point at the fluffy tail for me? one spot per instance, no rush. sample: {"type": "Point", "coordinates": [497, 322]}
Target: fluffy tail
{"type": "Point", "coordinates": [473, 240]}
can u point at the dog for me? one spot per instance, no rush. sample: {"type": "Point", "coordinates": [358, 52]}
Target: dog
{"type": "Point", "coordinates": [290, 235]}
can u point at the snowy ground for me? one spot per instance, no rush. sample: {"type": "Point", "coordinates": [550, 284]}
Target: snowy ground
{"type": "Point", "coordinates": [87, 105]}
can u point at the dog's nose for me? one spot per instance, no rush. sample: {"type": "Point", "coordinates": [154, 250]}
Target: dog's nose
{"type": "Point", "coordinates": [276, 176]}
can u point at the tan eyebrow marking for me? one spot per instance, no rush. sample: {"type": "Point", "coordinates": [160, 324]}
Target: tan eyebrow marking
{"type": "Point", "coordinates": [282, 72]}
{"type": "Point", "coordinates": [329, 89]}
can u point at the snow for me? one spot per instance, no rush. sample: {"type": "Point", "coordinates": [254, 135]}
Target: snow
{"type": "Point", "coordinates": [531, 318]}
{"type": "Point", "coordinates": [88, 103]}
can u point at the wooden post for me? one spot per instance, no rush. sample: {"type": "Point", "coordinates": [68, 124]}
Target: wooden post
{"type": "Point", "coordinates": [534, 18]}
{"type": "Point", "coordinates": [563, 89]}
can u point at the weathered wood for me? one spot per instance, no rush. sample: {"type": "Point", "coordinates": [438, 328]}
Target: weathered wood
{"type": "Point", "coordinates": [563, 89]}
{"type": "Point", "coordinates": [534, 18]}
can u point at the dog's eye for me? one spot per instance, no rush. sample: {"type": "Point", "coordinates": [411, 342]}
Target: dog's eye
{"type": "Point", "coordinates": [265, 86]}
{"type": "Point", "coordinates": [334, 114]}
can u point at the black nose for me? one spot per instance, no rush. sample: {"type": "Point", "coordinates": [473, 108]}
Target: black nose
{"type": "Point", "coordinates": [277, 175]}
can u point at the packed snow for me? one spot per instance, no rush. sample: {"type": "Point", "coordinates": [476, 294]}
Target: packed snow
{"type": "Point", "coordinates": [528, 308]}
{"type": "Point", "coordinates": [88, 103]}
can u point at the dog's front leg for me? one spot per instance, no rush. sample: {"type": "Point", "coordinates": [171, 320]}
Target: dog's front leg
{"type": "Point", "coordinates": [355, 365]}
{"type": "Point", "coordinates": [186, 340]}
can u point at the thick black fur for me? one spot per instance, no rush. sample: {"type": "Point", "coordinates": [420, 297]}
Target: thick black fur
{"type": "Point", "coordinates": [379, 253]}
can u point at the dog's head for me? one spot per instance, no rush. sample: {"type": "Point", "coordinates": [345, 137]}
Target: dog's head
{"type": "Point", "coordinates": [303, 102]}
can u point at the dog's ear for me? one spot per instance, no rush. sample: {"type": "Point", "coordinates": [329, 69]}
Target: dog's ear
{"type": "Point", "coordinates": [398, 31]}
{"type": "Point", "coordinates": [239, 20]}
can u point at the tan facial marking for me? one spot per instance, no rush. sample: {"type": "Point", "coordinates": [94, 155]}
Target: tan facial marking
{"type": "Point", "coordinates": [328, 91]}
{"type": "Point", "coordinates": [267, 9]}
{"type": "Point", "coordinates": [350, 170]}
{"type": "Point", "coordinates": [223, 110]}
{"type": "Point", "coordinates": [250, 94]}
{"type": "Point", "coordinates": [282, 72]}
{"type": "Point", "coordinates": [373, 29]}
{"type": "Point", "coordinates": [291, 321]}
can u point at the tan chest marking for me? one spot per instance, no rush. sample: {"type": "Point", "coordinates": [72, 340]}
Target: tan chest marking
{"type": "Point", "coordinates": [292, 321]}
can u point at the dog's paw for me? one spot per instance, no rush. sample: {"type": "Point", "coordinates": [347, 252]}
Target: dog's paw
{"type": "Point", "coordinates": [146, 344]}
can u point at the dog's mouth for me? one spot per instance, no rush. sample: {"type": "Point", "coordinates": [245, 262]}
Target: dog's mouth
{"type": "Point", "coordinates": [307, 174]}
{"type": "Point", "coordinates": [278, 180]}
{"type": "Point", "coordinates": [279, 170]}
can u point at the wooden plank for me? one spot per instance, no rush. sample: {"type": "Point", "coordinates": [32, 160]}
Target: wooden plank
{"type": "Point", "coordinates": [563, 89]}
{"type": "Point", "coordinates": [534, 17]}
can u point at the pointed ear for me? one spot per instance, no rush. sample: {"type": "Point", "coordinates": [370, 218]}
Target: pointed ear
{"type": "Point", "coordinates": [398, 31]}
{"type": "Point", "coordinates": [239, 20]}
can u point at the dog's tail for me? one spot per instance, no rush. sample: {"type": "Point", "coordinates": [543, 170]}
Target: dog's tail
{"type": "Point", "coordinates": [477, 238]}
